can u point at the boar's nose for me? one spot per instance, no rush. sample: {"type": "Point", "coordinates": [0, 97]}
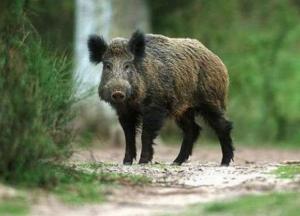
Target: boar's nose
{"type": "Point", "coordinates": [118, 96]}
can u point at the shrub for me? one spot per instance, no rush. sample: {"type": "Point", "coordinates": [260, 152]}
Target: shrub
{"type": "Point", "coordinates": [36, 96]}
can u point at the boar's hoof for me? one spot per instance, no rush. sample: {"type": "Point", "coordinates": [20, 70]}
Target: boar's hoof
{"type": "Point", "coordinates": [225, 161]}
{"type": "Point", "coordinates": [144, 161]}
{"type": "Point", "coordinates": [176, 163]}
{"type": "Point", "coordinates": [224, 164]}
{"type": "Point", "coordinates": [127, 161]}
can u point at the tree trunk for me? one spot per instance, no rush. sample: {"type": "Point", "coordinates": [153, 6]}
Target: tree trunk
{"type": "Point", "coordinates": [109, 18]}
{"type": "Point", "coordinates": [92, 17]}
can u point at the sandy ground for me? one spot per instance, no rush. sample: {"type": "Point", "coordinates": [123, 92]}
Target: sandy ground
{"type": "Point", "coordinates": [176, 187]}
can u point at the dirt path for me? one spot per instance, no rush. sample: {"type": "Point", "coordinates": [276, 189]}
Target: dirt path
{"type": "Point", "coordinates": [175, 187]}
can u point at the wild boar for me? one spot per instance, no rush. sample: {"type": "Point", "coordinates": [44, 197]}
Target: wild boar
{"type": "Point", "coordinates": [150, 77]}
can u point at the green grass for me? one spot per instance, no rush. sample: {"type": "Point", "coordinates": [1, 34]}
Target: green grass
{"type": "Point", "coordinates": [116, 177]}
{"type": "Point", "coordinates": [288, 171]}
{"type": "Point", "coordinates": [79, 188]}
{"type": "Point", "coordinates": [75, 187]}
{"type": "Point", "coordinates": [275, 204]}
{"type": "Point", "coordinates": [16, 206]}
{"type": "Point", "coordinates": [77, 184]}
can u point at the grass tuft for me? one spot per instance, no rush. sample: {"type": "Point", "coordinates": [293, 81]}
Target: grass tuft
{"type": "Point", "coordinates": [76, 184]}
{"type": "Point", "coordinates": [275, 204]}
{"type": "Point", "coordinates": [121, 178]}
{"type": "Point", "coordinates": [15, 206]}
{"type": "Point", "coordinates": [288, 171]}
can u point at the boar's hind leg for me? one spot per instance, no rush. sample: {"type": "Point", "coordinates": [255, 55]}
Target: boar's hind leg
{"type": "Point", "coordinates": [129, 122]}
{"type": "Point", "coordinates": [190, 134]}
{"type": "Point", "coordinates": [222, 127]}
{"type": "Point", "coordinates": [153, 118]}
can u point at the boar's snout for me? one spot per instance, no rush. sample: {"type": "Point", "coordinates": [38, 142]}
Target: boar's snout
{"type": "Point", "coordinates": [118, 96]}
{"type": "Point", "coordinates": [115, 91]}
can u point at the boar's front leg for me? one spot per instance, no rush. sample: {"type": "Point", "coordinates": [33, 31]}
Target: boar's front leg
{"type": "Point", "coordinates": [153, 119]}
{"type": "Point", "coordinates": [129, 123]}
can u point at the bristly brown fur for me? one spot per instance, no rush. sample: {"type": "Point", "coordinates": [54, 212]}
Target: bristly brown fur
{"type": "Point", "coordinates": [184, 73]}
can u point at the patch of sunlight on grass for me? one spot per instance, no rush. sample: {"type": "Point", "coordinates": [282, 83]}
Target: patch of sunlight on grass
{"type": "Point", "coordinates": [15, 206]}
{"type": "Point", "coordinates": [82, 185]}
{"type": "Point", "coordinates": [121, 178]}
{"type": "Point", "coordinates": [275, 204]}
{"type": "Point", "coordinates": [287, 171]}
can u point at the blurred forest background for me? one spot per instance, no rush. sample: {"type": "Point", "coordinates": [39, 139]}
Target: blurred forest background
{"type": "Point", "coordinates": [259, 41]}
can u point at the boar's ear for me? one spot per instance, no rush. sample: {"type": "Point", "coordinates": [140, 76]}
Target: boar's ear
{"type": "Point", "coordinates": [137, 44]}
{"type": "Point", "coordinates": [97, 46]}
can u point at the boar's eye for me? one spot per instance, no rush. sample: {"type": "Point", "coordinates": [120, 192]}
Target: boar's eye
{"type": "Point", "coordinates": [127, 66]}
{"type": "Point", "coordinates": [107, 66]}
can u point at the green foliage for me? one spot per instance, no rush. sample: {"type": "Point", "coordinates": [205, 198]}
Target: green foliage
{"type": "Point", "coordinates": [288, 171]}
{"type": "Point", "coordinates": [275, 204]}
{"type": "Point", "coordinates": [14, 206]}
{"type": "Point", "coordinates": [54, 20]}
{"type": "Point", "coordinates": [36, 97]}
{"type": "Point", "coordinates": [259, 43]}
